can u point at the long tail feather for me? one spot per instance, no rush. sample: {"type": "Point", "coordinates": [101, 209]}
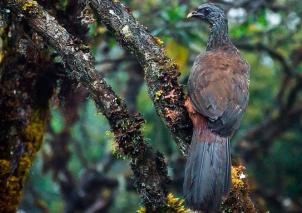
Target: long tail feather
{"type": "Point", "coordinates": [207, 174]}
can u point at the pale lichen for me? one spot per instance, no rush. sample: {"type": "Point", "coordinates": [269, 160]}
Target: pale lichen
{"type": "Point", "coordinates": [126, 31]}
{"type": "Point", "coordinates": [28, 6]}
{"type": "Point", "coordinates": [174, 205]}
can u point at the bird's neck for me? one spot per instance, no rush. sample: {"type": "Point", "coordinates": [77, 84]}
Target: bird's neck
{"type": "Point", "coordinates": [219, 36]}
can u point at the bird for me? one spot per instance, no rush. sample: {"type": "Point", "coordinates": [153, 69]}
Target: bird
{"type": "Point", "coordinates": [218, 95]}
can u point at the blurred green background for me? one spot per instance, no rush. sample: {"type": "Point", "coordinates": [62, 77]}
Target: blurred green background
{"type": "Point", "coordinates": [79, 149]}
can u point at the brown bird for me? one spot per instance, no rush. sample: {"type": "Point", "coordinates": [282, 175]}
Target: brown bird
{"type": "Point", "coordinates": [218, 96]}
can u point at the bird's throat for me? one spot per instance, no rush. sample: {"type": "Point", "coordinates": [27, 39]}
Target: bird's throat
{"type": "Point", "coordinates": [219, 35]}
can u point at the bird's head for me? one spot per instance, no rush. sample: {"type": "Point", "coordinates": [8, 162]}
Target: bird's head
{"type": "Point", "coordinates": [209, 13]}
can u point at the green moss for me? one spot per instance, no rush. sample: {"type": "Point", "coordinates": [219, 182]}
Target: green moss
{"type": "Point", "coordinates": [28, 6]}
{"type": "Point", "coordinates": [4, 168]}
{"type": "Point", "coordinates": [174, 205]}
{"type": "Point", "coordinates": [11, 193]}
{"type": "Point", "coordinates": [238, 199]}
{"type": "Point", "coordinates": [9, 203]}
{"type": "Point", "coordinates": [34, 131]}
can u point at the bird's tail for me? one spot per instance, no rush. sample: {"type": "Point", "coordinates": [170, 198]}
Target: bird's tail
{"type": "Point", "coordinates": [207, 173]}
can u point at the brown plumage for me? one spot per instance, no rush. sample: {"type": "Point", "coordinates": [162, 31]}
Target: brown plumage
{"type": "Point", "coordinates": [218, 88]}
{"type": "Point", "coordinates": [218, 91]}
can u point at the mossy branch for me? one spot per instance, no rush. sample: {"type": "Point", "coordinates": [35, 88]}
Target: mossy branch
{"type": "Point", "coordinates": [161, 75]}
{"type": "Point", "coordinates": [149, 168]}
{"type": "Point", "coordinates": [160, 72]}
{"type": "Point", "coordinates": [24, 109]}
{"type": "Point", "coordinates": [239, 199]}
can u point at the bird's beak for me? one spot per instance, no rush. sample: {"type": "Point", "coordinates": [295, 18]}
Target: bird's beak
{"type": "Point", "coordinates": [191, 14]}
{"type": "Point", "coordinates": [195, 14]}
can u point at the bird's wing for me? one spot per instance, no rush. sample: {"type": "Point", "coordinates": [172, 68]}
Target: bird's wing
{"type": "Point", "coordinates": [218, 89]}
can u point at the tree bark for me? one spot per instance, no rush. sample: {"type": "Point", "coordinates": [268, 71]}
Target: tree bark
{"type": "Point", "coordinates": [161, 75]}
{"type": "Point", "coordinates": [26, 85]}
{"type": "Point", "coordinates": [149, 168]}
{"type": "Point", "coordinates": [160, 72]}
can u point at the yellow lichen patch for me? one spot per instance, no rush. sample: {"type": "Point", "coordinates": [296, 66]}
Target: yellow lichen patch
{"type": "Point", "coordinates": [141, 210]}
{"type": "Point", "coordinates": [10, 202]}
{"type": "Point", "coordinates": [239, 199]}
{"type": "Point", "coordinates": [158, 94]}
{"type": "Point", "coordinates": [10, 194]}
{"type": "Point", "coordinates": [35, 130]}
{"type": "Point", "coordinates": [28, 5]}
{"type": "Point", "coordinates": [101, 30]}
{"type": "Point", "coordinates": [30, 148]}
{"type": "Point", "coordinates": [158, 41]}
{"type": "Point", "coordinates": [176, 204]}
{"type": "Point", "coordinates": [24, 164]}
{"type": "Point", "coordinates": [1, 57]}
{"type": "Point", "coordinates": [116, 150]}
{"type": "Point", "coordinates": [238, 176]}
{"type": "Point", "coordinates": [4, 168]}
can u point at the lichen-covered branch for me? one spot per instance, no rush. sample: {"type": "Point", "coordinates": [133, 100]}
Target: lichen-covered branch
{"type": "Point", "coordinates": [160, 72]}
{"type": "Point", "coordinates": [174, 205]}
{"type": "Point", "coordinates": [266, 132]}
{"type": "Point", "coordinates": [148, 167]}
{"type": "Point", "coordinates": [161, 76]}
{"type": "Point", "coordinates": [239, 199]}
{"type": "Point", "coordinates": [24, 91]}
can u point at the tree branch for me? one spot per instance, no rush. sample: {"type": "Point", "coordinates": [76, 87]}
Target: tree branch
{"type": "Point", "coordinates": [239, 199]}
{"type": "Point", "coordinates": [149, 168]}
{"type": "Point", "coordinates": [286, 65]}
{"type": "Point", "coordinates": [266, 132]}
{"type": "Point", "coordinates": [161, 75]}
{"type": "Point", "coordinates": [26, 85]}
{"type": "Point", "coordinates": [289, 111]}
{"type": "Point", "coordinates": [160, 72]}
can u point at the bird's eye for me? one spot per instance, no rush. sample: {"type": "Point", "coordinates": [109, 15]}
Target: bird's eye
{"type": "Point", "coordinates": [206, 11]}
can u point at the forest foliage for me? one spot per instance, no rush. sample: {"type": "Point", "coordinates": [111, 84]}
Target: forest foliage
{"type": "Point", "coordinates": [79, 157]}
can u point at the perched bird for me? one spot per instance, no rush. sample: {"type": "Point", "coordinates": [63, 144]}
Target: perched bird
{"type": "Point", "coordinates": [218, 95]}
